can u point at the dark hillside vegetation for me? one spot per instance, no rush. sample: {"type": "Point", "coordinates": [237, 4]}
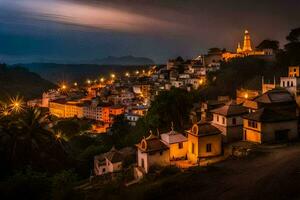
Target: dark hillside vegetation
{"type": "Point", "coordinates": [241, 73]}
{"type": "Point", "coordinates": [20, 81]}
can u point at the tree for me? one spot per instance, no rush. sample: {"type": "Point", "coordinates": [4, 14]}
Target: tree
{"type": "Point", "coordinates": [268, 44]}
{"type": "Point", "coordinates": [69, 128]}
{"type": "Point", "coordinates": [31, 143]}
{"type": "Point", "coordinates": [170, 106]}
{"type": "Point", "coordinates": [179, 59]}
{"type": "Point", "coordinates": [119, 130]}
{"type": "Point", "coordinates": [214, 50]}
{"type": "Point", "coordinates": [293, 47]}
{"type": "Point", "coordinates": [294, 35]}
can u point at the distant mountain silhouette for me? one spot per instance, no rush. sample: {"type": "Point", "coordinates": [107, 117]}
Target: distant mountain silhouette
{"type": "Point", "coordinates": [125, 60]}
{"type": "Point", "coordinates": [55, 72]}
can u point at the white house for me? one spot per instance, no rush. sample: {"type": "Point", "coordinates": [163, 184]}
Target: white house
{"type": "Point", "coordinates": [132, 118]}
{"type": "Point", "coordinates": [228, 119]}
{"type": "Point", "coordinates": [151, 151]}
{"type": "Point", "coordinates": [108, 162]}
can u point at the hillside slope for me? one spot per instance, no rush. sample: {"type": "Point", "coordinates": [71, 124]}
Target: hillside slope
{"type": "Point", "coordinates": [19, 81]}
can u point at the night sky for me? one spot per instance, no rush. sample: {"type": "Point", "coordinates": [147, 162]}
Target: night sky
{"type": "Point", "coordinates": [80, 31]}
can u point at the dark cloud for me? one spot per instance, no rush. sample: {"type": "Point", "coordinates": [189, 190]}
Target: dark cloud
{"type": "Point", "coordinates": [76, 30]}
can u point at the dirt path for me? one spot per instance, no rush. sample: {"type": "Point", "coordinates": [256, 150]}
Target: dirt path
{"type": "Point", "coordinates": [275, 175]}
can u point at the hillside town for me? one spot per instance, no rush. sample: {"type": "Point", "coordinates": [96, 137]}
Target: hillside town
{"type": "Point", "coordinates": [149, 99]}
{"type": "Point", "coordinates": [217, 125]}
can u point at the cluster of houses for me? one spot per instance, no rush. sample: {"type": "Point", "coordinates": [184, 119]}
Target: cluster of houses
{"type": "Point", "coordinates": [99, 102]}
{"type": "Point", "coordinates": [254, 116]}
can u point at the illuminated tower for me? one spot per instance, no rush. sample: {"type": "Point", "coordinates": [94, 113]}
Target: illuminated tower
{"type": "Point", "coordinates": [239, 49]}
{"type": "Point", "coordinates": [247, 42]}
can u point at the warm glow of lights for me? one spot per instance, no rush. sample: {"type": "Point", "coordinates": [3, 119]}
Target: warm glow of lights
{"type": "Point", "coordinates": [246, 96]}
{"type": "Point", "coordinates": [102, 80]}
{"type": "Point", "coordinates": [100, 16]}
{"type": "Point", "coordinates": [16, 104]}
{"type": "Point", "coordinates": [4, 110]}
{"type": "Point", "coordinates": [201, 81]}
{"type": "Point", "coordinates": [63, 87]}
{"type": "Point", "coordinates": [127, 74]}
{"type": "Point", "coordinates": [75, 84]}
{"type": "Point", "coordinates": [137, 72]}
{"type": "Point", "coordinates": [113, 76]}
{"type": "Point", "coordinates": [58, 135]}
{"type": "Point", "coordinates": [143, 71]}
{"type": "Point", "coordinates": [88, 81]}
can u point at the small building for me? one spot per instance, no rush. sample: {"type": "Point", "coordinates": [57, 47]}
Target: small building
{"type": "Point", "coordinates": [204, 141]}
{"type": "Point", "coordinates": [268, 125]}
{"type": "Point", "coordinates": [109, 162]}
{"type": "Point", "coordinates": [277, 99]}
{"type": "Point", "coordinates": [177, 143]}
{"type": "Point", "coordinates": [228, 119]}
{"type": "Point", "coordinates": [209, 105]}
{"type": "Point", "coordinates": [294, 71]}
{"type": "Point", "coordinates": [292, 82]}
{"type": "Point", "coordinates": [151, 151]}
{"type": "Point", "coordinates": [132, 118]}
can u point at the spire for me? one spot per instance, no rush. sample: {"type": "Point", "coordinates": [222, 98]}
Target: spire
{"type": "Point", "coordinates": [239, 49]}
{"type": "Point", "coordinates": [172, 126]}
{"type": "Point", "coordinates": [247, 42]}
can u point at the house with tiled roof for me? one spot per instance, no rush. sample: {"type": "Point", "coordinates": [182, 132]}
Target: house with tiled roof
{"type": "Point", "coordinates": [270, 125]}
{"type": "Point", "coordinates": [277, 98]}
{"type": "Point", "coordinates": [151, 152]}
{"type": "Point", "coordinates": [228, 119]}
{"type": "Point", "coordinates": [177, 143]}
{"type": "Point", "coordinates": [204, 141]}
{"type": "Point", "coordinates": [109, 162]}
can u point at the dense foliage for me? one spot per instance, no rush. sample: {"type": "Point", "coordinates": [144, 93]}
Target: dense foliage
{"type": "Point", "coordinates": [17, 80]}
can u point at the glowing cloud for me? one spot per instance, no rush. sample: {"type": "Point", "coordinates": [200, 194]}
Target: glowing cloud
{"type": "Point", "coordinates": [88, 15]}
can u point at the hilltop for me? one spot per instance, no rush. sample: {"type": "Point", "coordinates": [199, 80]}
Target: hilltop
{"type": "Point", "coordinates": [20, 81]}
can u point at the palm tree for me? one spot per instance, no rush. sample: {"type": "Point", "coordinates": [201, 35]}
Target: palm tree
{"type": "Point", "coordinates": [33, 143]}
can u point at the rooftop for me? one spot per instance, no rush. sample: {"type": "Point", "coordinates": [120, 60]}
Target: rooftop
{"type": "Point", "coordinates": [204, 129]}
{"type": "Point", "coordinates": [173, 137]}
{"type": "Point", "coordinates": [277, 95]}
{"type": "Point", "coordinates": [269, 115]}
{"type": "Point", "coordinates": [230, 109]}
{"type": "Point", "coordinates": [151, 144]}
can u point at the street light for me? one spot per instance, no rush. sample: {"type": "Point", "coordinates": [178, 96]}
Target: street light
{"type": "Point", "coordinates": [102, 80]}
{"type": "Point", "coordinates": [127, 74]}
{"type": "Point", "coordinates": [113, 76]}
{"type": "Point", "coordinates": [201, 81]}
{"type": "Point", "coordinates": [16, 104]}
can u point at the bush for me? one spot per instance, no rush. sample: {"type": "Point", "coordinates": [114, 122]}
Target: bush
{"type": "Point", "coordinates": [26, 184]}
{"type": "Point", "coordinates": [62, 184]}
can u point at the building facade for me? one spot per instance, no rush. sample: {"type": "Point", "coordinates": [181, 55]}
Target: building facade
{"type": "Point", "coordinates": [204, 141]}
